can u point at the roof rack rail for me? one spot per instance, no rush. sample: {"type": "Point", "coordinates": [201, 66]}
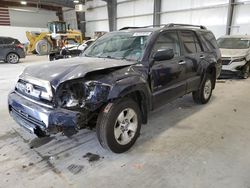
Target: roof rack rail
{"type": "Point", "coordinates": [165, 25]}
{"type": "Point", "coordinates": [187, 25]}
{"type": "Point", "coordinates": [125, 28]}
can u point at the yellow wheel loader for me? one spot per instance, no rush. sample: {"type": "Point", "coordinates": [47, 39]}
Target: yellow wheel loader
{"type": "Point", "coordinates": [43, 43]}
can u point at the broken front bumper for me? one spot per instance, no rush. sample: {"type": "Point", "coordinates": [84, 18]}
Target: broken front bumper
{"type": "Point", "coordinates": [40, 120]}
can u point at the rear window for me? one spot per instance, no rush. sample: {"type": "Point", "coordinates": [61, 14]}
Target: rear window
{"type": "Point", "coordinates": [16, 41]}
{"type": "Point", "coordinates": [208, 40]}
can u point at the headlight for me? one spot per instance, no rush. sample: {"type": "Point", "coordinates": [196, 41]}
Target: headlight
{"type": "Point", "coordinates": [83, 94]}
{"type": "Point", "coordinates": [239, 59]}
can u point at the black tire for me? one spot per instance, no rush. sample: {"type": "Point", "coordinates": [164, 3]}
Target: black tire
{"type": "Point", "coordinates": [43, 47]}
{"type": "Point", "coordinates": [199, 96]}
{"type": "Point", "coordinates": [107, 123]}
{"type": "Point", "coordinates": [12, 58]}
{"type": "Point", "coordinates": [245, 71]}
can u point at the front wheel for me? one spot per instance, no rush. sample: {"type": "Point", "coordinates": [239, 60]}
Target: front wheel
{"type": "Point", "coordinates": [203, 95]}
{"type": "Point", "coordinates": [118, 125]}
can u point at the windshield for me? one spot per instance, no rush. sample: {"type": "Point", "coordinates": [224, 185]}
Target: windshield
{"type": "Point", "coordinates": [233, 43]}
{"type": "Point", "coordinates": [120, 45]}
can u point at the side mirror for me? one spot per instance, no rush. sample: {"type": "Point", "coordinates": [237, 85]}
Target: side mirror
{"type": "Point", "coordinates": [162, 55]}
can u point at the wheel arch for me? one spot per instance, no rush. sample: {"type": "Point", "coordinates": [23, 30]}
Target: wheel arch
{"type": "Point", "coordinates": [211, 70]}
{"type": "Point", "coordinates": [138, 91]}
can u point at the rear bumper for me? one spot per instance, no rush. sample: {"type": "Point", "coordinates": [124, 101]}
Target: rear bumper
{"type": "Point", "coordinates": [38, 119]}
{"type": "Point", "coordinates": [21, 54]}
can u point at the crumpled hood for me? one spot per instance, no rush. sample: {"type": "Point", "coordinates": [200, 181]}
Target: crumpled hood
{"type": "Point", "coordinates": [68, 69]}
{"type": "Point", "coordinates": [234, 52]}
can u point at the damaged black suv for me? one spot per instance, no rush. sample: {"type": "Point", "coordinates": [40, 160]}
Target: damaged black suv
{"type": "Point", "coordinates": [120, 78]}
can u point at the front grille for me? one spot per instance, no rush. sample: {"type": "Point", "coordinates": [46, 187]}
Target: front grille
{"type": "Point", "coordinates": [226, 61]}
{"type": "Point", "coordinates": [31, 120]}
{"type": "Point", "coordinates": [34, 94]}
{"type": "Point", "coordinates": [40, 88]}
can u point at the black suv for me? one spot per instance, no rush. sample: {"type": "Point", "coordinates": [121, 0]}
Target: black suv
{"type": "Point", "coordinates": [11, 50]}
{"type": "Point", "coordinates": [122, 76]}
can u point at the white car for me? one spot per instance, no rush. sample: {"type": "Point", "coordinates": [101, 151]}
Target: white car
{"type": "Point", "coordinates": [235, 53]}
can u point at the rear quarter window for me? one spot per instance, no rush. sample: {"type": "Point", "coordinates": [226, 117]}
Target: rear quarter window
{"type": "Point", "coordinates": [208, 41]}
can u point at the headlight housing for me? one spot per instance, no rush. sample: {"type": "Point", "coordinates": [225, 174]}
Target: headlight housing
{"type": "Point", "coordinates": [239, 59]}
{"type": "Point", "coordinates": [83, 94]}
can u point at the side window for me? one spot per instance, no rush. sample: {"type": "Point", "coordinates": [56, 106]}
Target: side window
{"type": "Point", "coordinates": [209, 40]}
{"type": "Point", "coordinates": [197, 44]}
{"type": "Point", "coordinates": [190, 42]}
{"type": "Point", "coordinates": [168, 40]}
{"type": "Point", "coordinates": [8, 41]}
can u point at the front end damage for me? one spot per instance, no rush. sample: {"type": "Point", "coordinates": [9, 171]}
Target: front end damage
{"type": "Point", "coordinates": [73, 106]}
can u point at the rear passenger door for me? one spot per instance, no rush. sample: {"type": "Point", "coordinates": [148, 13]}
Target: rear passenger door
{"type": "Point", "coordinates": [193, 56]}
{"type": "Point", "coordinates": [168, 76]}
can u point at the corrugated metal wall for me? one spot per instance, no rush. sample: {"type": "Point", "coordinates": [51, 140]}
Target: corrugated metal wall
{"type": "Point", "coordinates": [211, 13]}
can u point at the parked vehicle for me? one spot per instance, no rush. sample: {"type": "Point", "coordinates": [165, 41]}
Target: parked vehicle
{"type": "Point", "coordinates": [235, 51]}
{"type": "Point", "coordinates": [70, 50]}
{"type": "Point", "coordinates": [122, 76]}
{"type": "Point", "coordinates": [43, 43]}
{"type": "Point", "coordinates": [11, 50]}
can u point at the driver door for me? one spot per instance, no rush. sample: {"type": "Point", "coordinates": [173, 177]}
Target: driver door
{"type": "Point", "coordinates": [168, 76]}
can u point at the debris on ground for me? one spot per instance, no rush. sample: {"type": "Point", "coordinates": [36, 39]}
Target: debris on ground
{"type": "Point", "coordinates": [221, 81]}
{"type": "Point", "coordinates": [92, 157]}
{"type": "Point", "coordinates": [75, 169]}
{"type": "Point", "coordinates": [138, 166]}
{"type": "Point", "coordinates": [235, 110]}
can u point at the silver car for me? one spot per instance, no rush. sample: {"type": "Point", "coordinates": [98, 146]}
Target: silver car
{"type": "Point", "coordinates": [235, 51]}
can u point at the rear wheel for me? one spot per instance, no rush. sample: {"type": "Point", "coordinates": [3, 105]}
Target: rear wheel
{"type": "Point", "coordinates": [245, 71]}
{"type": "Point", "coordinates": [203, 95]}
{"type": "Point", "coordinates": [119, 127]}
{"type": "Point", "coordinates": [12, 58]}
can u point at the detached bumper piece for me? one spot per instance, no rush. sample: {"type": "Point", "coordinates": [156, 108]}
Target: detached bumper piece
{"type": "Point", "coordinates": [43, 121]}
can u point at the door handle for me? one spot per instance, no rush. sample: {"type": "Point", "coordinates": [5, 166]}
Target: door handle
{"type": "Point", "coordinates": [182, 62]}
{"type": "Point", "coordinates": [202, 56]}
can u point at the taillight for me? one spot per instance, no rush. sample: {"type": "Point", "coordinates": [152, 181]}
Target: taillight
{"type": "Point", "coordinates": [19, 46]}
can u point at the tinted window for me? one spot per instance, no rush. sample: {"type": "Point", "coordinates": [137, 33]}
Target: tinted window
{"type": "Point", "coordinates": [168, 40]}
{"type": "Point", "coordinates": [209, 41]}
{"type": "Point", "coordinates": [16, 41]}
{"type": "Point", "coordinates": [190, 42]}
{"type": "Point", "coordinates": [8, 41]}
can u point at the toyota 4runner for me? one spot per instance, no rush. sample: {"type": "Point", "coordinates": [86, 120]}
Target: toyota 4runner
{"type": "Point", "coordinates": [120, 78]}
